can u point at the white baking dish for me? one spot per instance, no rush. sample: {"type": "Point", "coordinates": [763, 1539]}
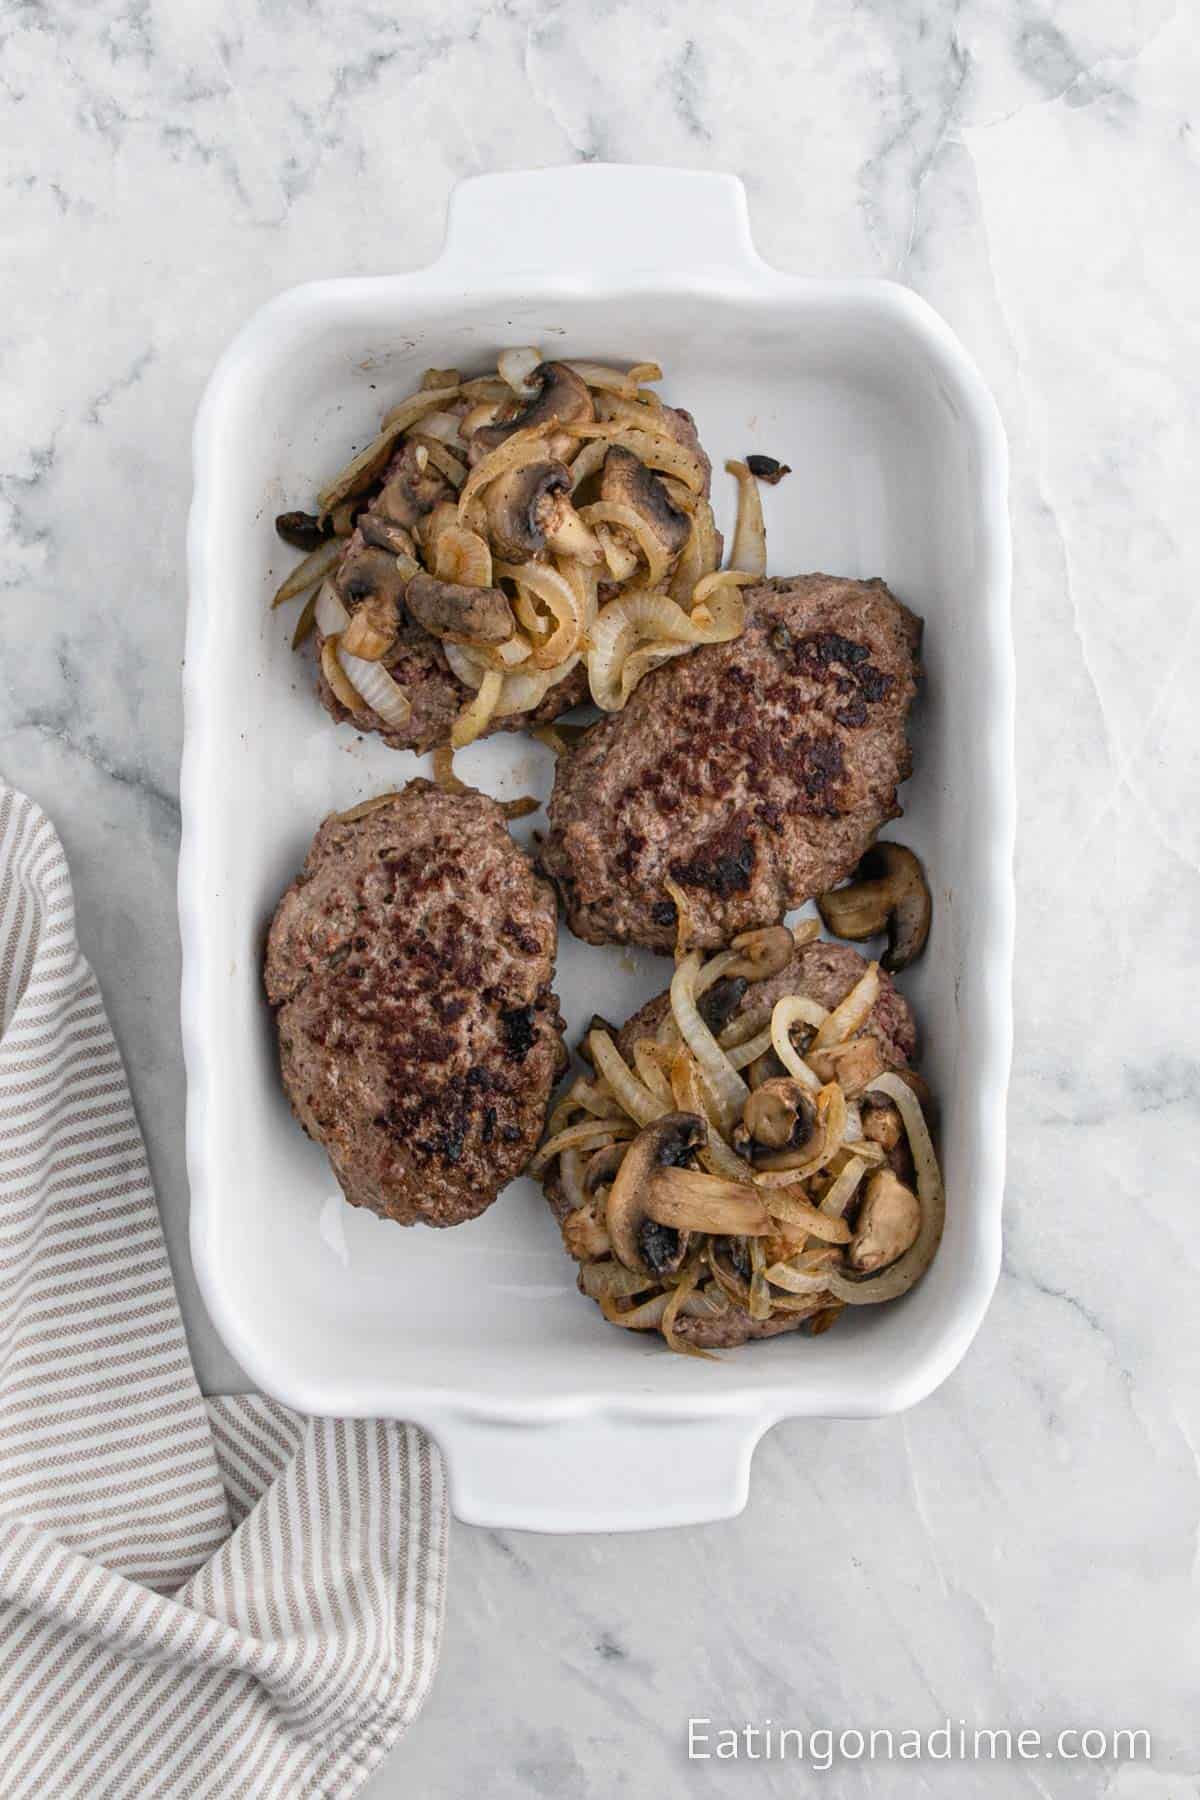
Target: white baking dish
{"type": "Point", "coordinates": [548, 1417]}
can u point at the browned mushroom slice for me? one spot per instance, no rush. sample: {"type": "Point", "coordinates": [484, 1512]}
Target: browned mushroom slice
{"type": "Point", "coordinates": [626, 481]}
{"type": "Point", "coordinates": [779, 1115]}
{"type": "Point", "coordinates": [637, 1241]}
{"type": "Point", "coordinates": [369, 574]}
{"type": "Point", "coordinates": [887, 1225]}
{"type": "Point", "coordinates": [561, 398]}
{"type": "Point", "coordinates": [768, 469]}
{"type": "Point", "coordinates": [447, 609]}
{"type": "Point", "coordinates": [384, 535]}
{"type": "Point", "coordinates": [529, 509]}
{"type": "Point", "coordinates": [887, 892]}
{"type": "Point", "coordinates": [412, 488]}
{"type": "Point", "coordinates": [303, 531]}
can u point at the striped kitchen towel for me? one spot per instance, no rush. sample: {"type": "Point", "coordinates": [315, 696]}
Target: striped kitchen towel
{"type": "Point", "coordinates": [196, 1597]}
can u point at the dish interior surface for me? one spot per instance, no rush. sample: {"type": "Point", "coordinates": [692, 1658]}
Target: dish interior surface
{"type": "Point", "coordinates": [332, 1308]}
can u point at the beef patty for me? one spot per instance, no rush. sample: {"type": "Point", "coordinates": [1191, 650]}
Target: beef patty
{"type": "Point", "coordinates": [824, 973]}
{"type": "Point", "coordinates": [753, 773]}
{"type": "Point", "coordinates": [410, 966]}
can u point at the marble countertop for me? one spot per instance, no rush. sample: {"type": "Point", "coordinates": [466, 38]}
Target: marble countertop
{"type": "Point", "coordinates": [1020, 1549]}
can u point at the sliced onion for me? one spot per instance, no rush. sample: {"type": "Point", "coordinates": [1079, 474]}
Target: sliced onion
{"type": "Point", "coordinates": [443, 426]}
{"type": "Point", "coordinates": [690, 1200]}
{"type": "Point", "coordinates": [306, 621]}
{"type": "Point", "coordinates": [570, 1174]}
{"type": "Point", "coordinates": [445, 462]}
{"type": "Point", "coordinates": [844, 1188]}
{"type": "Point", "coordinates": [612, 381]}
{"type": "Point", "coordinates": [729, 1090]}
{"type": "Point", "coordinates": [633, 1094]}
{"type": "Point", "coordinates": [646, 1317]}
{"type": "Point", "coordinates": [487, 388]}
{"type": "Point", "coordinates": [691, 1095]}
{"type": "Point", "coordinates": [523, 447]}
{"type": "Point", "coordinates": [615, 512]}
{"type": "Point", "coordinates": [476, 716]}
{"type": "Point", "coordinates": [900, 1276]}
{"type": "Point", "coordinates": [742, 1055]}
{"type": "Point", "coordinates": [476, 416]}
{"type": "Point", "coordinates": [466, 664]}
{"type": "Point", "coordinates": [361, 469]}
{"type": "Point", "coordinates": [309, 570]}
{"type": "Point", "coordinates": [516, 366]}
{"type": "Point", "coordinates": [795, 1009]}
{"type": "Point", "coordinates": [591, 1135]}
{"type": "Point", "coordinates": [654, 448]}
{"type": "Point", "coordinates": [852, 1013]}
{"type": "Point", "coordinates": [462, 556]}
{"type": "Point", "coordinates": [614, 1280]}
{"type": "Point", "coordinates": [795, 1209]}
{"type": "Point", "coordinates": [336, 676]}
{"type": "Point", "coordinates": [382, 693]}
{"type": "Point", "coordinates": [521, 693]}
{"type": "Point", "coordinates": [750, 535]}
{"type": "Point", "coordinates": [331, 614]}
{"type": "Point", "coordinates": [638, 613]}
{"type": "Point", "coordinates": [588, 462]}
{"type": "Point", "coordinates": [563, 601]}
{"type": "Point", "coordinates": [648, 1058]}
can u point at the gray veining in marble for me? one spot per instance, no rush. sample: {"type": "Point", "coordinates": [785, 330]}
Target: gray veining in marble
{"type": "Point", "coordinates": [1021, 1549]}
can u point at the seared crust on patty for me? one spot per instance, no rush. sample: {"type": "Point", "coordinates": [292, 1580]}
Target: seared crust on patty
{"type": "Point", "coordinates": [754, 774]}
{"type": "Point", "coordinates": [825, 973]}
{"type": "Point", "coordinates": [410, 965]}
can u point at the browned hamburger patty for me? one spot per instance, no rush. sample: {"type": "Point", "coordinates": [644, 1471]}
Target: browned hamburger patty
{"type": "Point", "coordinates": [824, 973]}
{"type": "Point", "coordinates": [753, 773]}
{"type": "Point", "coordinates": [410, 966]}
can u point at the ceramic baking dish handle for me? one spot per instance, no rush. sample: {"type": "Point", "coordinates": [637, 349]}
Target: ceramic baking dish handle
{"type": "Point", "coordinates": [597, 1473]}
{"type": "Point", "coordinates": [594, 218]}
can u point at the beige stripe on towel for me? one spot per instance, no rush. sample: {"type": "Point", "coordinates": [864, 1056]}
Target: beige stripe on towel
{"type": "Point", "coordinates": [197, 1598]}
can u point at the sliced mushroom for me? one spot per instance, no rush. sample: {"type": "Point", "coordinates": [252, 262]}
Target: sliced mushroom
{"type": "Point", "coordinates": [384, 535]}
{"type": "Point", "coordinates": [412, 489]}
{"type": "Point", "coordinates": [529, 509]}
{"type": "Point", "coordinates": [372, 629]}
{"type": "Point", "coordinates": [888, 1222]}
{"type": "Point", "coordinates": [627, 481]}
{"type": "Point", "coordinates": [637, 1241]}
{"type": "Point", "coordinates": [560, 398]}
{"type": "Point", "coordinates": [447, 609]}
{"type": "Point", "coordinates": [304, 531]}
{"type": "Point", "coordinates": [780, 1115]}
{"type": "Point", "coordinates": [887, 892]}
{"type": "Point", "coordinates": [853, 1065]}
{"type": "Point", "coordinates": [881, 1121]}
{"type": "Point", "coordinates": [370, 574]}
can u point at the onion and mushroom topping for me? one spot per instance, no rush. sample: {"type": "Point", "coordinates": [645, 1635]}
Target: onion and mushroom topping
{"type": "Point", "coordinates": [567, 494]}
{"type": "Point", "coordinates": [693, 1193]}
{"type": "Point", "coordinates": [887, 892]}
